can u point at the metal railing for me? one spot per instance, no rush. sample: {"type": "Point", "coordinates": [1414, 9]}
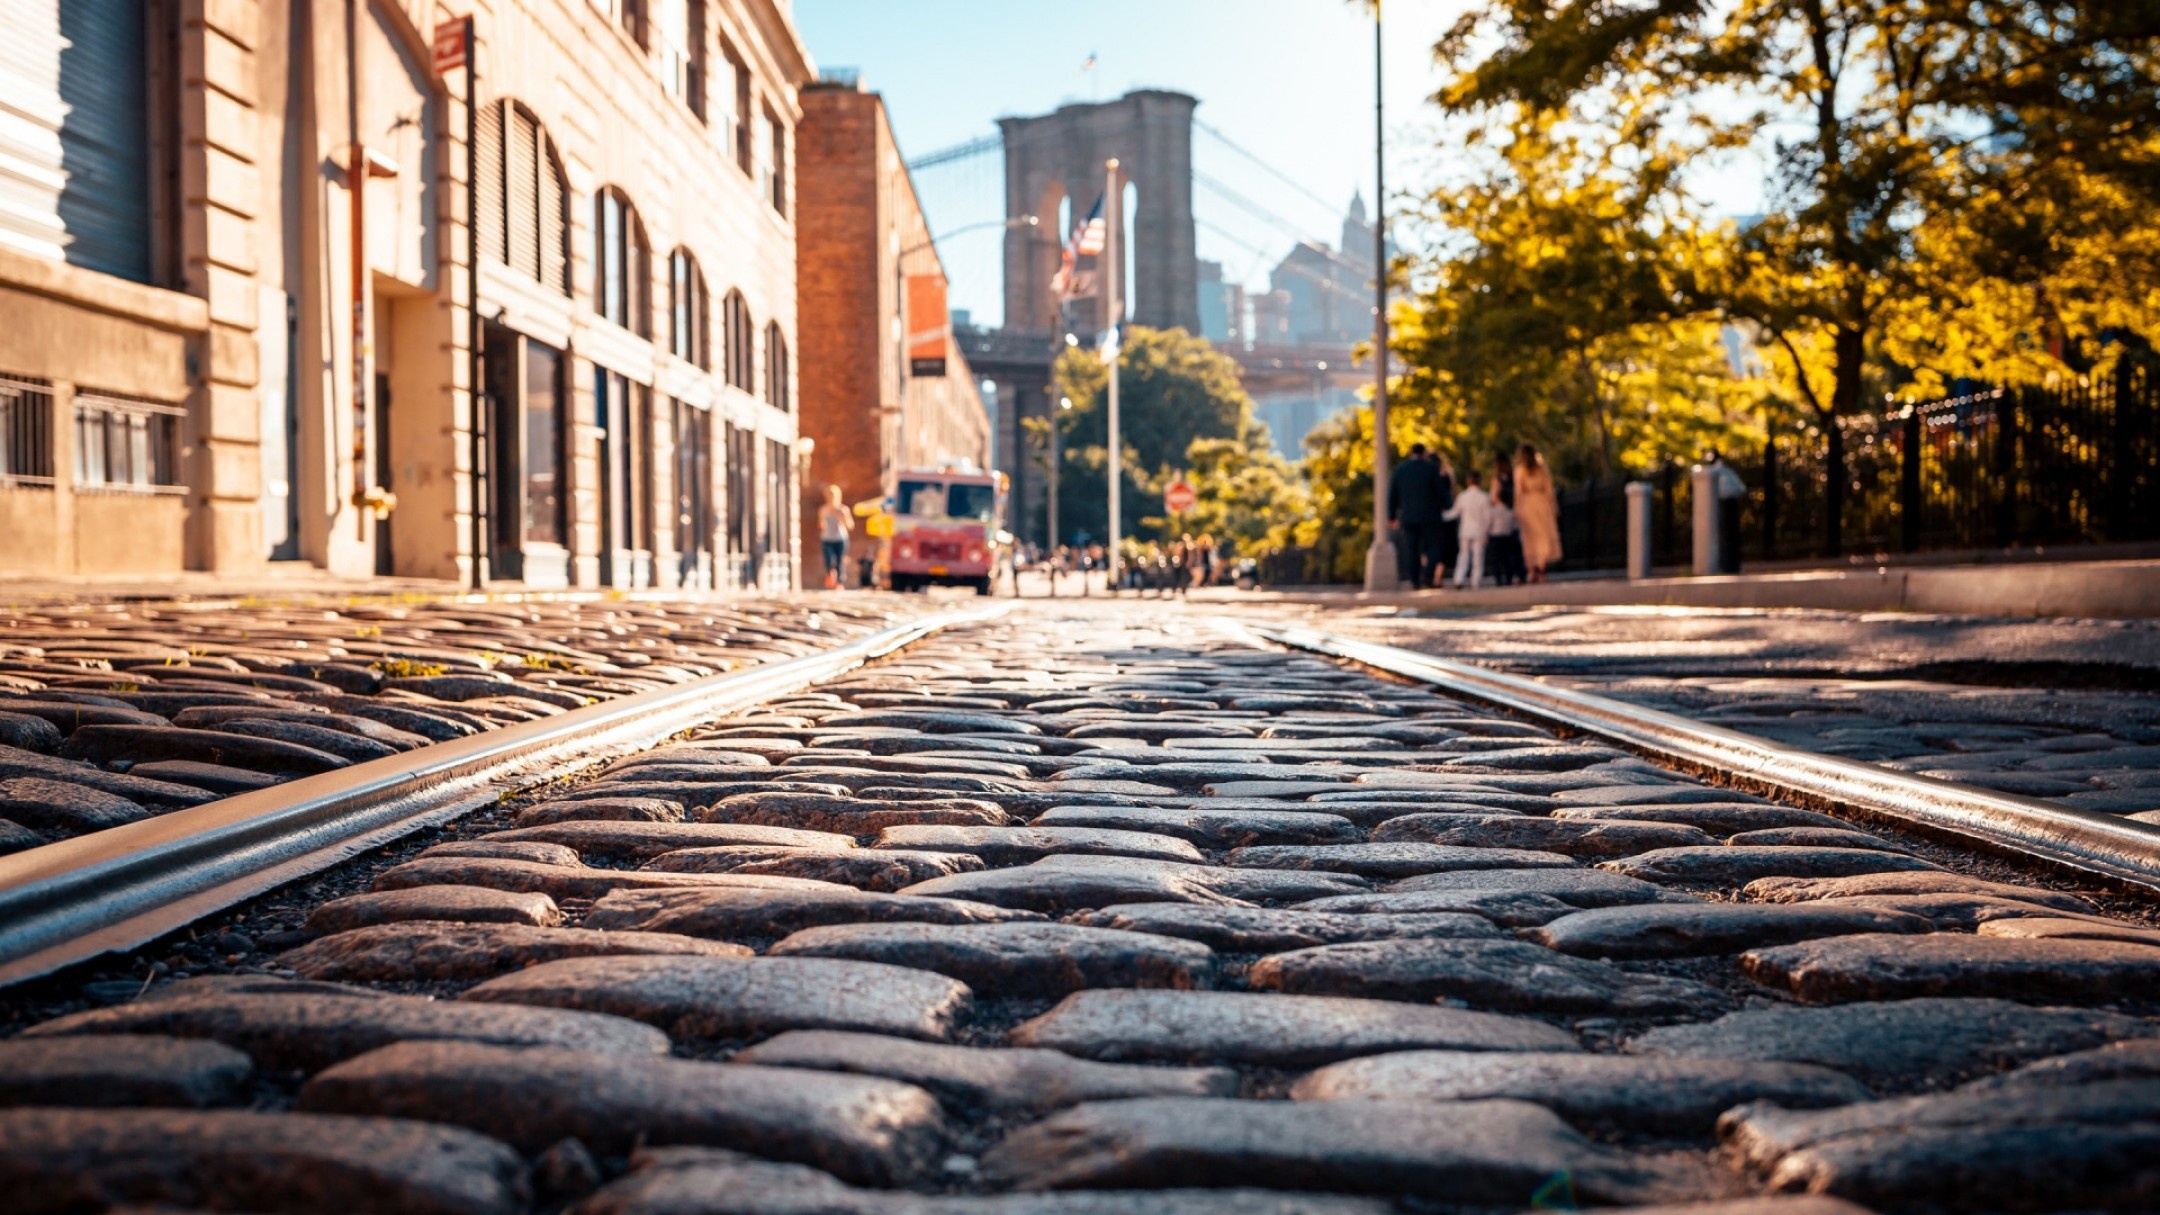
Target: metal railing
{"type": "Point", "coordinates": [2061, 465]}
{"type": "Point", "coordinates": [127, 444]}
{"type": "Point", "coordinates": [26, 440]}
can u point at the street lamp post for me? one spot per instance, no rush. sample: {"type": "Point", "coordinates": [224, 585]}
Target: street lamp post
{"type": "Point", "coordinates": [1380, 558]}
{"type": "Point", "coordinates": [1114, 314]}
{"type": "Point", "coordinates": [1057, 457]}
{"type": "Point", "coordinates": [900, 260]}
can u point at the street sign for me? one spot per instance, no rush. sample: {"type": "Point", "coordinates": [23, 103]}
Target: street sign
{"type": "Point", "coordinates": [1179, 498]}
{"type": "Point", "coordinates": [453, 45]}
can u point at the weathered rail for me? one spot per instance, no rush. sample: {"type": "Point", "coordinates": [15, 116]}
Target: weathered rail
{"type": "Point", "coordinates": [2106, 845]}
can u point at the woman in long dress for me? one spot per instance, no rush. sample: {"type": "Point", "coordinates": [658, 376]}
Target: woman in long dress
{"type": "Point", "coordinates": [1537, 512]}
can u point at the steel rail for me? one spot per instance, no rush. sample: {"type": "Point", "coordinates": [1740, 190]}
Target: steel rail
{"type": "Point", "coordinates": [2122, 850]}
{"type": "Point", "coordinates": [114, 890]}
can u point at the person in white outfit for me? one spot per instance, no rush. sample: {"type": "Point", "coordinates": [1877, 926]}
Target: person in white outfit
{"type": "Point", "coordinates": [1473, 516]}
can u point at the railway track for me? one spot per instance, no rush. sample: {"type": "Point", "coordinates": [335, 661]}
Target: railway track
{"type": "Point", "coordinates": [1137, 910]}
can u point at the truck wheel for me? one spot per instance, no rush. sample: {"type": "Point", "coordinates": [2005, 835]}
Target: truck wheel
{"type": "Point", "coordinates": [982, 586]}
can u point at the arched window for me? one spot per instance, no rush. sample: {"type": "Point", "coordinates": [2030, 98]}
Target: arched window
{"type": "Point", "coordinates": [523, 195]}
{"type": "Point", "coordinates": [741, 359]}
{"type": "Point", "coordinates": [622, 263]}
{"type": "Point", "coordinates": [689, 311]}
{"type": "Point", "coordinates": [776, 367]}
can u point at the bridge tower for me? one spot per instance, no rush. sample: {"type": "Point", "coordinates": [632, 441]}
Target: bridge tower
{"type": "Point", "coordinates": [1060, 156]}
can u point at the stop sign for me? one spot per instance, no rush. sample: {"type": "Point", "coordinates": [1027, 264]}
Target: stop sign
{"type": "Point", "coordinates": [1179, 498]}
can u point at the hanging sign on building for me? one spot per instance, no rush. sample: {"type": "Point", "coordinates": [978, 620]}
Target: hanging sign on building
{"type": "Point", "coordinates": [929, 325]}
{"type": "Point", "coordinates": [453, 45]}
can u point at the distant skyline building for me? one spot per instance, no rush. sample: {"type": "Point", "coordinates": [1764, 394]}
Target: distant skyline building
{"type": "Point", "coordinates": [1222, 308]}
{"type": "Point", "coordinates": [1320, 306]}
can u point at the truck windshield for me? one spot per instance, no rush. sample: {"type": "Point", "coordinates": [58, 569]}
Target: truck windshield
{"type": "Point", "coordinates": [943, 500]}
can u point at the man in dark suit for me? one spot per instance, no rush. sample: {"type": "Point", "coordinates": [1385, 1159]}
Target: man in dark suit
{"type": "Point", "coordinates": [1413, 506]}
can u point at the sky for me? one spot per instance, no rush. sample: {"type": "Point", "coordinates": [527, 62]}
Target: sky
{"type": "Point", "coordinates": [1290, 81]}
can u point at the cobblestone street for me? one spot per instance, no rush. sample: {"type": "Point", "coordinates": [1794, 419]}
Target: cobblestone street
{"type": "Point", "coordinates": [1091, 908]}
{"type": "Point", "coordinates": [2064, 710]}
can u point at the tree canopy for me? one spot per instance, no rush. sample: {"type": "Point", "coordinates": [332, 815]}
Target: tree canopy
{"type": "Point", "coordinates": [1181, 410]}
{"type": "Point", "coordinates": [1952, 192]}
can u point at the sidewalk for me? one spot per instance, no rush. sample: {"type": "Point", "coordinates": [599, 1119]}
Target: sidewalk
{"type": "Point", "coordinates": [2105, 589]}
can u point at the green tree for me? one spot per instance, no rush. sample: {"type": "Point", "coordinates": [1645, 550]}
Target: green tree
{"type": "Point", "coordinates": [1247, 496]}
{"type": "Point", "coordinates": [1885, 120]}
{"type": "Point", "coordinates": [1173, 389]}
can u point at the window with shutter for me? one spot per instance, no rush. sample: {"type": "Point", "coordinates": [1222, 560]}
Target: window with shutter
{"type": "Point", "coordinates": [488, 181]}
{"type": "Point", "coordinates": [554, 225]}
{"type": "Point", "coordinates": [741, 360]}
{"type": "Point", "coordinates": [607, 256]}
{"type": "Point", "coordinates": [522, 172]}
{"type": "Point", "coordinates": [738, 132]}
{"type": "Point", "coordinates": [776, 368]}
{"type": "Point", "coordinates": [777, 171]}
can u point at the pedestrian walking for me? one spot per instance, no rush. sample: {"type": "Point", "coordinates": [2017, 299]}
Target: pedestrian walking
{"type": "Point", "coordinates": [1504, 553]}
{"type": "Point", "coordinates": [1206, 564]}
{"type": "Point", "coordinates": [835, 525]}
{"type": "Point", "coordinates": [1472, 514]}
{"type": "Point", "coordinates": [1537, 512]}
{"type": "Point", "coordinates": [1446, 547]}
{"type": "Point", "coordinates": [1413, 505]}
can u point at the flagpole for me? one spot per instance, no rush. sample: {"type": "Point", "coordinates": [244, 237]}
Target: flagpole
{"type": "Point", "coordinates": [1114, 310]}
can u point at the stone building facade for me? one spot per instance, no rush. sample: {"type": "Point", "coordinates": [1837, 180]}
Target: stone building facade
{"type": "Point", "coordinates": [191, 380]}
{"type": "Point", "coordinates": [862, 237]}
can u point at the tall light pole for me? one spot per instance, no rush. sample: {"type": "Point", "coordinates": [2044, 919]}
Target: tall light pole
{"type": "Point", "coordinates": [900, 260]}
{"type": "Point", "coordinates": [1057, 457]}
{"type": "Point", "coordinates": [1380, 558]}
{"type": "Point", "coordinates": [1114, 307]}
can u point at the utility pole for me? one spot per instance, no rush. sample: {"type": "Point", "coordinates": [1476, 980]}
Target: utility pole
{"type": "Point", "coordinates": [1380, 558]}
{"type": "Point", "coordinates": [1114, 219]}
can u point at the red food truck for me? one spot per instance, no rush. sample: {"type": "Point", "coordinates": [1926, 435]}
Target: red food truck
{"type": "Point", "coordinates": [945, 529]}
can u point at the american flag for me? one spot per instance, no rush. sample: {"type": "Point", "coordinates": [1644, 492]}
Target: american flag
{"type": "Point", "coordinates": [1087, 241]}
{"type": "Point", "coordinates": [1088, 234]}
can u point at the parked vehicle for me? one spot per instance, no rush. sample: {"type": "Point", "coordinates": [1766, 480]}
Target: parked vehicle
{"type": "Point", "coordinates": [945, 529]}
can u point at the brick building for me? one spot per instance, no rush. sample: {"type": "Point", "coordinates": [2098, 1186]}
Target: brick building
{"type": "Point", "coordinates": [861, 238]}
{"type": "Point", "coordinates": [190, 380]}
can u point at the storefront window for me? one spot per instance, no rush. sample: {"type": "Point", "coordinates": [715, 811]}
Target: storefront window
{"type": "Point", "coordinates": [543, 445]}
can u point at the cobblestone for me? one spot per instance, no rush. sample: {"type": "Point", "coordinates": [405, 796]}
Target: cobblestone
{"type": "Point", "coordinates": [390, 952]}
{"type": "Point", "coordinates": [307, 1030]}
{"type": "Point", "coordinates": [1015, 1078]}
{"type": "Point", "coordinates": [122, 1070]}
{"type": "Point", "coordinates": [863, 1129]}
{"type": "Point", "coordinates": [1016, 960]}
{"type": "Point", "coordinates": [215, 699]}
{"type": "Point", "coordinates": [1485, 1151]}
{"type": "Point", "coordinates": [1073, 905]}
{"type": "Point", "coordinates": [1629, 1094]}
{"type": "Point", "coordinates": [741, 997]}
{"type": "Point", "coordinates": [1669, 930]}
{"type": "Point", "coordinates": [1268, 1030]}
{"type": "Point", "coordinates": [460, 904]}
{"type": "Point", "coordinates": [60, 1161]}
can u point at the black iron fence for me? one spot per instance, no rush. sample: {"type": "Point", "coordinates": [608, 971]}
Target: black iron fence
{"type": "Point", "coordinates": [2012, 467]}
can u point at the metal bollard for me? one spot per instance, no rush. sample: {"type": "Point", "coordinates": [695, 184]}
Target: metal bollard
{"type": "Point", "coordinates": [1702, 482]}
{"type": "Point", "coordinates": [1638, 529]}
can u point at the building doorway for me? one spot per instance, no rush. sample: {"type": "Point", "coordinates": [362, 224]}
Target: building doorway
{"type": "Point", "coordinates": [385, 477]}
{"type": "Point", "coordinates": [525, 415]}
{"type": "Point", "coordinates": [623, 413]}
{"type": "Point", "coordinates": [694, 529]}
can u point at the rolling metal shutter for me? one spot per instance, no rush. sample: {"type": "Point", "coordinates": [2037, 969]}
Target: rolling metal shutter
{"type": "Point", "coordinates": [522, 173]}
{"type": "Point", "coordinates": [74, 133]}
{"type": "Point", "coordinates": [554, 233]}
{"type": "Point", "coordinates": [488, 180]}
